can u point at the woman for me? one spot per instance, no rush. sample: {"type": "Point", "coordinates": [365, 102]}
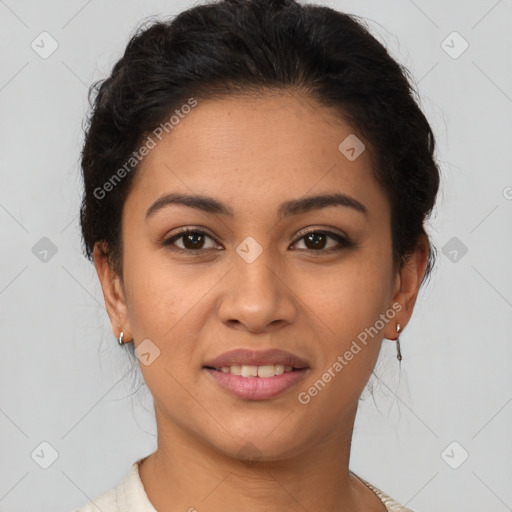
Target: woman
{"type": "Point", "coordinates": [257, 178]}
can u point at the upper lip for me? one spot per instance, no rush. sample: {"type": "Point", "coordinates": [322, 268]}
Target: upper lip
{"type": "Point", "coordinates": [247, 357]}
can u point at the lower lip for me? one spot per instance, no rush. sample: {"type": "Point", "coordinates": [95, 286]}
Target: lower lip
{"type": "Point", "coordinates": [257, 388]}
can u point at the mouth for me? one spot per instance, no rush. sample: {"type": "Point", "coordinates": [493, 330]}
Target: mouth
{"type": "Point", "coordinates": [263, 371]}
{"type": "Point", "coordinates": [256, 375]}
{"type": "Point", "coordinates": [249, 363]}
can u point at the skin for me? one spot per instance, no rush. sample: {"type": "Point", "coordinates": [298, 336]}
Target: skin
{"type": "Point", "coordinates": [253, 154]}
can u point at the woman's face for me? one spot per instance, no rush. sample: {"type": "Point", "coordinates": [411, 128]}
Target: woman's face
{"type": "Point", "coordinates": [256, 279]}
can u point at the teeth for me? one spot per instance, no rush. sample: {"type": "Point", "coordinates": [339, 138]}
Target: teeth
{"type": "Point", "coordinates": [249, 371]}
{"type": "Point", "coordinates": [279, 369]}
{"type": "Point", "coordinates": [235, 370]}
{"type": "Point", "coordinates": [268, 370]}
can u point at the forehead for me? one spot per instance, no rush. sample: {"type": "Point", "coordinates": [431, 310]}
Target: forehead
{"type": "Point", "coordinates": [247, 150]}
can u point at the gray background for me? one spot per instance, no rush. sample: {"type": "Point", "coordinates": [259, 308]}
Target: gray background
{"type": "Point", "coordinates": [64, 380]}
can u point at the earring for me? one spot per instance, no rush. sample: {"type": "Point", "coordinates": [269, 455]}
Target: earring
{"type": "Point", "coordinates": [121, 342]}
{"type": "Point", "coordinates": [398, 353]}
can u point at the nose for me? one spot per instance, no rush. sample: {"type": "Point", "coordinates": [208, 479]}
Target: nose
{"type": "Point", "coordinates": [256, 296]}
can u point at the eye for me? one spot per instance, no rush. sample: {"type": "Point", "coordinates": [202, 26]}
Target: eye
{"type": "Point", "coordinates": [192, 241]}
{"type": "Point", "coordinates": [316, 242]}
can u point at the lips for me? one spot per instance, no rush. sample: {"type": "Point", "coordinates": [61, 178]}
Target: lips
{"type": "Point", "coordinates": [256, 374]}
{"type": "Point", "coordinates": [246, 357]}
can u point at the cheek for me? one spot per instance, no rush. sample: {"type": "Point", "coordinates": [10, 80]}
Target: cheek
{"type": "Point", "coordinates": [169, 304]}
{"type": "Point", "coordinates": [348, 297]}
{"type": "Point", "coordinates": [159, 294]}
{"type": "Point", "coordinates": [350, 305]}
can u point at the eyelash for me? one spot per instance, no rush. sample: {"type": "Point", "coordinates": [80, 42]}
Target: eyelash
{"type": "Point", "coordinates": [345, 243]}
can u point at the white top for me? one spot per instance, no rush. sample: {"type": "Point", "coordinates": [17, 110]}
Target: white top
{"type": "Point", "coordinates": [130, 496]}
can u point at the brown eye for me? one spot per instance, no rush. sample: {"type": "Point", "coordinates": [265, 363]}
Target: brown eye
{"type": "Point", "coordinates": [316, 242]}
{"type": "Point", "coordinates": [191, 240]}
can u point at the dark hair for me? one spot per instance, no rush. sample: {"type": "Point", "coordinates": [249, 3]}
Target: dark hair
{"type": "Point", "coordinates": [245, 47]}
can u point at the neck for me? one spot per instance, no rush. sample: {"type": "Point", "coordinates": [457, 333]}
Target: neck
{"type": "Point", "coordinates": [185, 473]}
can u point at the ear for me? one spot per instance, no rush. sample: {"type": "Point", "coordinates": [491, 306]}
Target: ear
{"type": "Point", "coordinates": [113, 292]}
{"type": "Point", "coordinates": [407, 285]}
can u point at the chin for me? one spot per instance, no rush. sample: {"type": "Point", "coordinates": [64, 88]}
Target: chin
{"type": "Point", "coordinates": [257, 445]}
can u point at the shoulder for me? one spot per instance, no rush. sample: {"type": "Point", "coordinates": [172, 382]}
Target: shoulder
{"type": "Point", "coordinates": [127, 496]}
{"type": "Point", "coordinates": [391, 504]}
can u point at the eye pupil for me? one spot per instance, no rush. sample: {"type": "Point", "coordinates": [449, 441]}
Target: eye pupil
{"type": "Point", "coordinates": [314, 238]}
{"type": "Point", "coordinates": [192, 237]}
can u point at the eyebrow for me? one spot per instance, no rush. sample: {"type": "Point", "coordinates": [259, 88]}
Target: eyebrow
{"type": "Point", "coordinates": [288, 208]}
